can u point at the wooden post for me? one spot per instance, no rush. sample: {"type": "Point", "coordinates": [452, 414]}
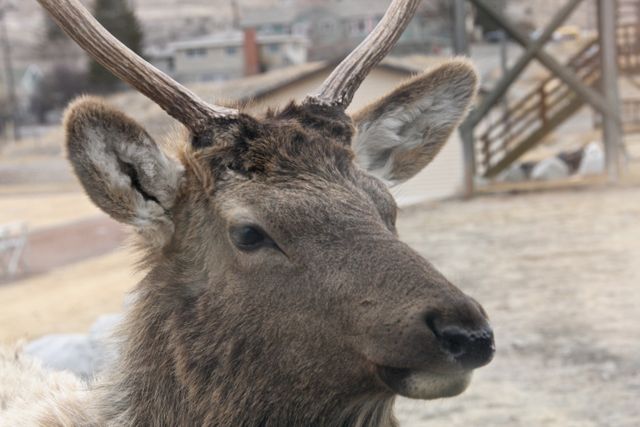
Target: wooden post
{"type": "Point", "coordinates": [590, 95]}
{"type": "Point", "coordinates": [459, 36]}
{"type": "Point", "coordinates": [469, 154]}
{"type": "Point", "coordinates": [543, 104]}
{"type": "Point", "coordinates": [461, 47]}
{"type": "Point", "coordinates": [611, 128]}
{"type": "Point", "coordinates": [532, 50]}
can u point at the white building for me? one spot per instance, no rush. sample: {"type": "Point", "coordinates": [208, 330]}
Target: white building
{"type": "Point", "coordinates": [228, 55]}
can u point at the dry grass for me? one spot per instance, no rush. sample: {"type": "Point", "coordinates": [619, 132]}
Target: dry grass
{"type": "Point", "coordinates": [66, 300]}
{"type": "Point", "coordinates": [45, 210]}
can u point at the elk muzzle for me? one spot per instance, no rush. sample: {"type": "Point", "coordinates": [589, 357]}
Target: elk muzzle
{"type": "Point", "coordinates": [424, 336]}
{"type": "Point", "coordinates": [471, 348]}
{"type": "Point", "coordinates": [442, 351]}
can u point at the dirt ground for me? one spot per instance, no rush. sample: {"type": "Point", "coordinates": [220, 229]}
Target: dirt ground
{"type": "Point", "coordinates": [46, 210]}
{"type": "Point", "coordinates": [67, 300]}
{"type": "Point", "coordinates": [63, 228]}
{"type": "Point", "coordinates": [558, 273]}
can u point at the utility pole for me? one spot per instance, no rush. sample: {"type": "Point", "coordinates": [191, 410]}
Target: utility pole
{"type": "Point", "coordinates": [8, 67]}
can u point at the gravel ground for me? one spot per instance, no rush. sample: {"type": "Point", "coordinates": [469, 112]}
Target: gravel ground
{"type": "Point", "coordinates": [559, 275]}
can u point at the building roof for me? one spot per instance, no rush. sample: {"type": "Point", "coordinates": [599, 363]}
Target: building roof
{"type": "Point", "coordinates": [158, 52]}
{"type": "Point", "coordinates": [267, 16]}
{"type": "Point", "coordinates": [288, 13]}
{"type": "Point", "coordinates": [353, 9]}
{"type": "Point", "coordinates": [232, 38]}
{"type": "Point", "coordinates": [244, 90]}
{"type": "Point", "coordinates": [231, 93]}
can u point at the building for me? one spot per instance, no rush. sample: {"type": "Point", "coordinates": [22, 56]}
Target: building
{"type": "Point", "coordinates": [227, 55]}
{"type": "Point", "coordinates": [538, 14]}
{"type": "Point", "coordinates": [291, 32]}
{"type": "Point", "coordinates": [335, 27]}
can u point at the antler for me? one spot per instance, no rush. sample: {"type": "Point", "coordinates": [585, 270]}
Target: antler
{"type": "Point", "coordinates": [338, 89]}
{"type": "Point", "coordinates": [178, 101]}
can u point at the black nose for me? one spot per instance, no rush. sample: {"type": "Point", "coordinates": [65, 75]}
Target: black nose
{"type": "Point", "coordinates": [471, 348]}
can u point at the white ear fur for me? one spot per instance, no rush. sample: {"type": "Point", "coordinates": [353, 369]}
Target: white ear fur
{"type": "Point", "coordinates": [121, 168]}
{"type": "Point", "coordinates": [402, 132]}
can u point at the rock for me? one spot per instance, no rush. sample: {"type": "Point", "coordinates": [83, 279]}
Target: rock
{"type": "Point", "coordinates": [592, 161]}
{"type": "Point", "coordinates": [550, 169]}
{"type": "Point", "coordinates": [65, 352]}
{"type": "Point", "coordinates": [480, 181]}
{"type": "Point", "coordinates": [514, 174]}
{"type": "Point", "coordinates": [103, 339]}
{"type": "Point", "coordinates": [105, 325]}
{"type": "Point", "coordinates": [85, 355]}
{"type": "Point", "coordinates": [572, 159]}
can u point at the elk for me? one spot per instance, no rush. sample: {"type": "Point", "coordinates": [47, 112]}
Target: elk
{"type": "Point", "coordinates": [278, 292]}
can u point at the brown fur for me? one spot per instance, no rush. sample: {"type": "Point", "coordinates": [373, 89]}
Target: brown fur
{"type": "Point", "coordinates": [273, 337]}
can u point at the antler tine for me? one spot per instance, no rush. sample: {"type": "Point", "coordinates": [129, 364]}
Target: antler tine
{"type": "Point", "coordinates": [178, 101]}
{"type": "Point", "coordinates": [338, 89]}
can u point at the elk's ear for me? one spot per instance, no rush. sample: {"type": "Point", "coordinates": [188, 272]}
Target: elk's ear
{"type": "Point", "coordinates": [401, 133]}
{"type": "Point", "coordinates": [120, 167]}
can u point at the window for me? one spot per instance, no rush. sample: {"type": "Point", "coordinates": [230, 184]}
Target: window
{"type": "Point", "coordinates": [273, 47]}
{"type": "Point", "coordinates": [231, 50]}
{"type": "Point", "coordinates": [328, 27]}
{"type": "Point", "coordinates": [196, 53]}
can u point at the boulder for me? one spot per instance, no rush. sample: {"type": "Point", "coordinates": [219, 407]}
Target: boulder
{"type": "Point", "coordinates": [572, 158]}
{"type": "Point", "coordinates": [85, 355]}
{"type": "Point", "coordinates": [515, 173]}
{"type": "Point", "coordinates": [550, 169]}
{"type": "Point", "coordinates": [105, 326]}
{"type": "Point", "coordinates": [65, 352]}
{"type": "Point", "coordinates": [104, 340]}
{"type": "Point", "coordinates": [593, 162]}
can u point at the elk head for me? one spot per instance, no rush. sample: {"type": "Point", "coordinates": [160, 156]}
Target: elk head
{"type": "Point", "coordinates": [271, 241]}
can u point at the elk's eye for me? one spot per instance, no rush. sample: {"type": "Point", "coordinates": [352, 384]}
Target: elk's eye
{"type": "Point", "coordinates": [247, 237]}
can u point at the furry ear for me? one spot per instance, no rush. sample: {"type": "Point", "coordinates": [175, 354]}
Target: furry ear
{"type": "Point", "coordinates": [401, 133]}
{"type": "Point", "coordinates": [121, 168]}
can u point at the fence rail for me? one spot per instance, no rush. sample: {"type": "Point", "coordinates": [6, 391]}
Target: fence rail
{"type": "Point", "coordinates": [13, 242]}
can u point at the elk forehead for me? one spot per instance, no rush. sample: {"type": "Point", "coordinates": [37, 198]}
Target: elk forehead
{"type": "Point", "coordinates": [292, 144]}
{"type": "Point", "coordinates": [304, 171]}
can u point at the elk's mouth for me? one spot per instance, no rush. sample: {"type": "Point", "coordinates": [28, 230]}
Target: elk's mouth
{"type": "Point", "coordinates": [423, 384]}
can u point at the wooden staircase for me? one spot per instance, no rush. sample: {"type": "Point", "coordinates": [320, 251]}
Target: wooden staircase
{"type": "Point", "coordinates": [508, 134]}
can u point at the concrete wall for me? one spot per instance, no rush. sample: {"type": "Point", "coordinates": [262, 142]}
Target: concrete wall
{"type": "Point", "coordinates": [441, 179]}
